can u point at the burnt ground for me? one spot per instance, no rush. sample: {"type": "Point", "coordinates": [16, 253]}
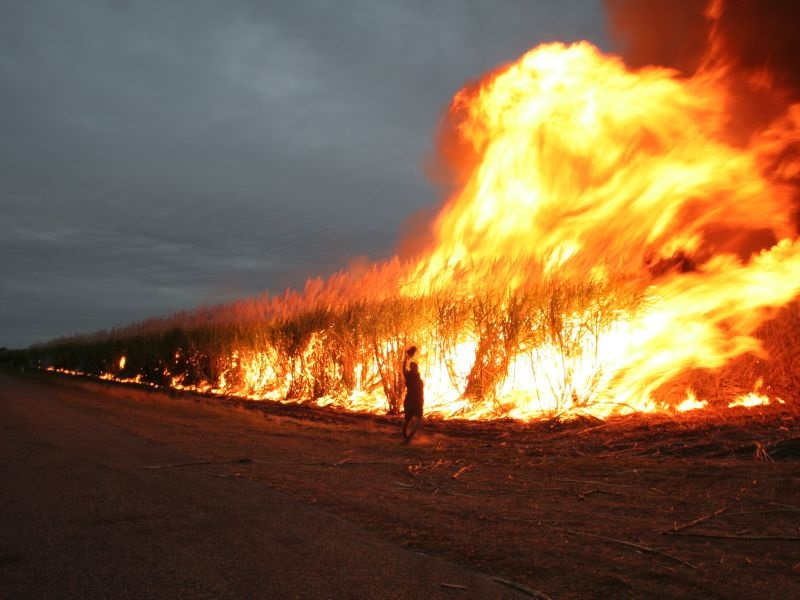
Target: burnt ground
{"type": "Point", "coordinates": [695, 506]}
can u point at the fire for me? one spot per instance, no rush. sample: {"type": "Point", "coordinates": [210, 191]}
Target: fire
{"type": "Point", "coordinates": [607, 235]}
{"type": "Point", "coordinates": [750, 400]}
{"type": "Point", "coordinates": [754, 398]}
{"type": "Point", "coordinates": [691, 402]}
{"type": "Point", "coordinates": [576, 168]}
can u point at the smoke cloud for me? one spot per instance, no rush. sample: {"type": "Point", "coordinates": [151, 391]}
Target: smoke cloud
{"type": "Point", "coordinates": [756, 41]}
{"type": "Point", "coordinates": [752, 36]}
{"type": "Point", "coordinates": [670, 34]}
{"type": "Point", "coordinates": [757, 45]}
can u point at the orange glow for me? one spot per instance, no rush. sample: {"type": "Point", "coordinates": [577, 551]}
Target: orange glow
{"type": "Point", "coordinates": [750, 400]}
{"type": "Point", "coordinates": [691, 403]}
{"type": "Point", "coordinates": [581, 169]}
{"type": "Point", "coordinates": [754, 398]}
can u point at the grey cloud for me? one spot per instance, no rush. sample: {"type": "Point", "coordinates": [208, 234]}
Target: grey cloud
{"type": "Point", "coordinates": [159, 155]}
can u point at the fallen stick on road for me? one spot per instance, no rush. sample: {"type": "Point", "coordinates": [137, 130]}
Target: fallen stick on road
{"type": "Point", "coordinates": [454, 586]}
{"type": "Point", "coordinates": [461, 471]}
{"type": "Point", "coordinates": [591, 482]}
{"type": "Point", "coordinates": [583, 495]}
{"type": "Point", "coordinates": [697, 521]}
{"type": "Point", "coordinates": [523, 588]}
{"type": "Point", "coordinates": [235, 461]}
{"type": "Point", "coordinates": [631, 545]}
{"type": "Point", "coordinates": [731, 536]}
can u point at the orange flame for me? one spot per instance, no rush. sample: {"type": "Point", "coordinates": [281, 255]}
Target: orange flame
{"type": "Point", "coordinates": [577, 168]}
{"type": "Point", "coordinates": [607, 236]}
{"type": "Point", "coordinates": [580, 167]}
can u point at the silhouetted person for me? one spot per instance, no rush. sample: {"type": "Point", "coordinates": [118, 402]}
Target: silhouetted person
{"type": "Point", "coordinates": [415, 397]}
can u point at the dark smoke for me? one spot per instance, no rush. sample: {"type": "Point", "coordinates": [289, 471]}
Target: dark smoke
{"type": "Point", "coordinates": [764, 35]}
{"type": "Point", "coordinates": [759, 42]}
{"type": "Point", "coordinates": [670, 34]}
{"type": "Point", "coordinates": [753, 36]}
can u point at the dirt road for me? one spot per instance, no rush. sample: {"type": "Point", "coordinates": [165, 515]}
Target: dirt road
{"type": "Point", "coordinates": [91, 510]}
{"type": "Point", "coordinates": [309, 503]}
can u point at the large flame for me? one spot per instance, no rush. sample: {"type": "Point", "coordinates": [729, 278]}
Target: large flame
{"type": "Point", "coordinates": [608, 234]}
{"type": "Point", "coordinates": [576, 168]}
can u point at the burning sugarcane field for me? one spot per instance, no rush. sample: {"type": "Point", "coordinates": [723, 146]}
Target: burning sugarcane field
{"type": "Point", "coordinates": [597, 331]}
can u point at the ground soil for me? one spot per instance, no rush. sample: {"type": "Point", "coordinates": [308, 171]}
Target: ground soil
{"type": "Point", "coordinates": [694, 506]}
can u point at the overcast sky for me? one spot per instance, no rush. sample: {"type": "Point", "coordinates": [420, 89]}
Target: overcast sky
{"type": "Point", "coordinates": [156, 155]}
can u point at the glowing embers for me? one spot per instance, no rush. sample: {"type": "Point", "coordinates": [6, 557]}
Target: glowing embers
{"type": "Point", "coordinates": [691, 402]}
{"type": "Point", "coordinates": [573, 169]}
{"type": "Point", "coordinates": [754, 398]}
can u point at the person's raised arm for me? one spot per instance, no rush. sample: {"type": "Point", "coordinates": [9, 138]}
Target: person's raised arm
{"type": "Point", "coordinates": [409, 354]}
